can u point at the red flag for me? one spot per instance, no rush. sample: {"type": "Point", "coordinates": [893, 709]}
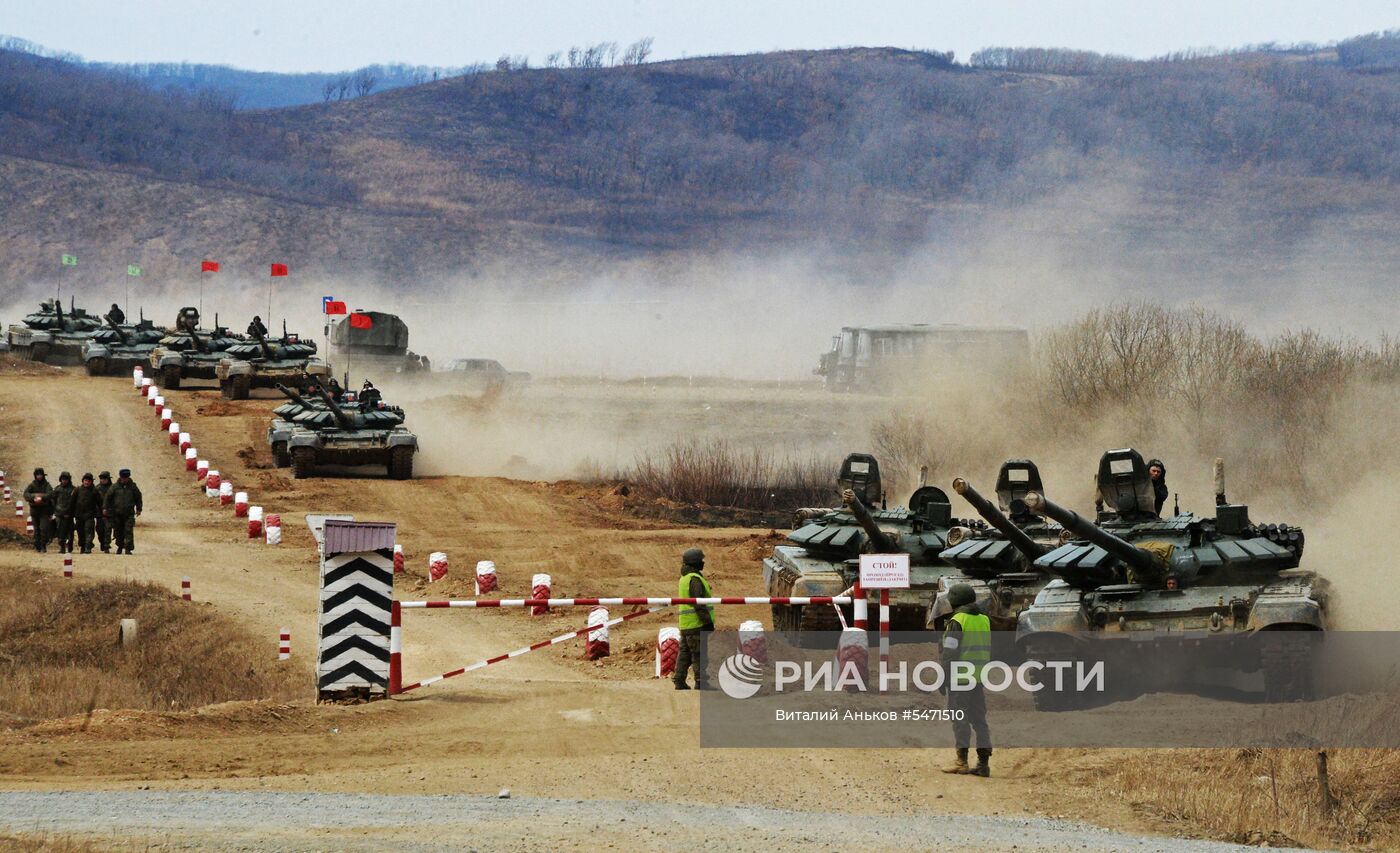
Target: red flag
{"type": "Point", "coordinates": [279, 269]}
{"type": "Point", "coordinates": [361, 321]}
{"type": "Point", "coordinates": [209, 266]}
{"type": "Point", "coordinates": [335, 307]}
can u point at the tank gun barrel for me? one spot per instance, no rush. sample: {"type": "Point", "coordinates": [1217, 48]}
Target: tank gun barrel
{"type": "Point", "coordinates": [1137, 558]}
{"type": "Point", "coordinates": [994, 516]}
{"type": "Point", "coordinates": [342, 419]}
{"type": "Point", "coordinates": [121, 336]}
{"type": "Point", "coordinates": [878, 538]}
{"type": "Point", "coordinates": [266, 348]}
{"type": "Point", "coordinates": [294, 396]}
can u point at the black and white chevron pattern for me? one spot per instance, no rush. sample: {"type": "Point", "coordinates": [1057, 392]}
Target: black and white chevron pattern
{"type": "Point", "coordinates": [357, 590]}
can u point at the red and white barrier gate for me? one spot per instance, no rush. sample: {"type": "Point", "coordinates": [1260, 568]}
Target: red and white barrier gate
{"type": "Point", "coordinates": [652, 605]}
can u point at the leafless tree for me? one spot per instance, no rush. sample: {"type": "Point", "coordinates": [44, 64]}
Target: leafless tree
{"type": "Point", "coordinates": [327, 91]}
{"type": "Point", "coordinates": [637, 52]}
{"type": "Point", "coordinates": [364, 83]}
{"type": "Point", "coordinates": [342, 88]}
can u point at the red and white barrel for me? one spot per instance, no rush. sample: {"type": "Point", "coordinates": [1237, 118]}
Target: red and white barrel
{"type": "Point", "coordinates": [185, 442]}
{"type": "Point", "coordinates": [398, 560]}
{"type": "Point", "coordinates": [174, 430]}
{"type": "Point", "coordinates": [272, 529]}
{"type": "Point", "coordinates": [225, 493]}
{"type": "Point", "coordinates": [152, 394]}
{"type": "Point", "coordinates": [29, 525]}
{"type": "Point", "coordinates": [167, 415]}
{"type": "Point", "coordinates": [485, 577]}
{"type": "Point", "coordinates": [539, 588]}
{"type": "Point", "coordinates": [137, 374]}
{"type": "Point", "coordinates": [668, 650]}
{"type": "Point", "coordinates": [68, 567]}
{"type": "Point", "coordinates": [240, 505]}
{"type": "Point", "coordinates": [160, 406]}
{"type": "Point", "coordinates": [255, 522]}
{"type": "Point", "coordinates": [144, 387]}
{"type": "Point", "coordinates": [437, 566]}
{"type": "Point", "coordinates": [284, 644]}
{"type": "Point", "coordinates": [751, 640]}
{"type": "Point", "coordinates": [201, 469]}
{"type": "Point", "coordinates": [191, 458]}
{"type": "Point", "coordinates": [596, 643]}
{"type": "Point", "coordinates": [212, 482]}
{"type": "Point", "coordinates": [185, 590]}
{"type": "Point", "coordinates": [853, 655]}
{"type": "Point", "coordinates": [19, 509]}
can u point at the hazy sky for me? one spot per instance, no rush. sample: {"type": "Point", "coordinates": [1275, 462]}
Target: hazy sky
{"type": "Point", "coordinates": [306, 35]}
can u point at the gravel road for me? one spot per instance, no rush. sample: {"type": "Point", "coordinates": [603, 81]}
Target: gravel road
{"type": "Point", "coordinates": [232, 820]}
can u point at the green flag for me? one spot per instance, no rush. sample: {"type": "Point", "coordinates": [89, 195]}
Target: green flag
{"type": "Point", "coordinates": [70, 260]}
{"type": "Point", "coordinates": [133, 269]}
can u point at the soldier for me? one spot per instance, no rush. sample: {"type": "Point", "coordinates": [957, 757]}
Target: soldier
{"type": "Point", "coordinates": [1159, 482]}
{"type": "Point", "coordinates": [122, 506]}
{"type": "Point", "coordinates": [369, 397]}
{"type": "Point", "coordinates": [87, 509]}
{"type": "Point", "coordinates": [256, 328]}
{"type": "Point", "coordinates": [116, 314]}
{"type": "Point", "coordinates": [36, 494]}
{"type": "Point", "coordinates": [695, 619]}
{"type": "Point", "coordinates": [63, 497]}
{"type": "Point", "coordinates": [333, 388]}
{"type": "Point", "coordinates": [968, 637]}
{"type": "Point", "coordinates": [104, 527]}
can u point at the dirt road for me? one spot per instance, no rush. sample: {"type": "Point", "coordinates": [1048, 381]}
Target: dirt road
{"type": "Point", "coordinates": [547, 725]}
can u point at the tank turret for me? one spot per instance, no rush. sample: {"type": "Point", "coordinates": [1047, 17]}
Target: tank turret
{"type": "Point", "coordinates": [1144, 565]}
{"type": "Point", "coordinates": [996, 518]}
{"type": "Point", "coordinates": [880, 542]}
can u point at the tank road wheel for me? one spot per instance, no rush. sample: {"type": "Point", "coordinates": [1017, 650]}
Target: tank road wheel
{"type": "Point", "coordinates": [303, 462]}
{"type": "Point", "coordinates": [238, 387]}
{"type": "Point", "coordinates": [1286, 659]}
{"type": "Point", "coordinates": [39, 352]}
{"type": "Point", "coordinates": [1047, 698]}
{"type": "Point", "coordinates": [819, 617]}
{"type": "Point", "coordinates": [280, 457]}
{"type": "Point", "coordinates": [784, 618]}
{"type": "Point", "coordinates": [97, 366]}
{"type": "Point", "coordinates": [401, 463]}
{"type": "Point", "coordinates": [170, 376]}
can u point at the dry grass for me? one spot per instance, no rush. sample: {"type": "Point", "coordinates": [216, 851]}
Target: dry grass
{"type": "Point", "coordinates": [59, 654]}
{"type": "Point", "coordinates": [716, 472]}
{"type": "Point", "coordinates": [1272, 795]}
{"type": "Point", "coordinates": [44, 843]}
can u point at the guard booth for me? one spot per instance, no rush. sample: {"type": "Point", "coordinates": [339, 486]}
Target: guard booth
{"type": "Point", "coordinates": [357, 592]}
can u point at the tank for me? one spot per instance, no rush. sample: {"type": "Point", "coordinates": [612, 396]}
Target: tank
{"type": "Point", "coordinates": [188, 352]}
{"type": "Point", "coordinates": [999, 562]}
{"type": "Point", "coordinates": [323, 432]}
{"type": "Point", "coordinates": [375, 342]}
{"type": "Point", "coordinates": [52, 335]}
{"type": "Point", "coordinates": [258, 363]}
{"type": "Point", "coordinates": [1187, 579]}
{"type": "Point", "coordinates": [822, 553]}
{"type": "Point", "coordinates": [116, 349]}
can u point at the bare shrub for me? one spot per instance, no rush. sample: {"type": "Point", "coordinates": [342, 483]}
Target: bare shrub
{"type": "Point", "coordinates": [904, 443]}
{"type": "Point", "coordinates": [716, 472]}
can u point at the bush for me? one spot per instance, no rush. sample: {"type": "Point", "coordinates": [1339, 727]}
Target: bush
{"type": "Point", "coordinates": [715, 472]}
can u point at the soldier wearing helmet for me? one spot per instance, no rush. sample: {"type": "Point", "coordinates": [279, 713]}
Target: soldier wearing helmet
{"type": "Point", "coordinates": [695, 621]}
{"type": "Point", "coordinates": [967, 639]}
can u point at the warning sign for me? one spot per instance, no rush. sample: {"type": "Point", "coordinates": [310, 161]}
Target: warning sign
{"type": "Point", "coordinates": [884, 571]}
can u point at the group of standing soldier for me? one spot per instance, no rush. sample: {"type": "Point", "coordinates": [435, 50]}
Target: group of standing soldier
{"type": "Point", "coordinates": [103, 509]}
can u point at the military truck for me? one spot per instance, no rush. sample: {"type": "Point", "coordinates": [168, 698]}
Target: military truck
{"type": "Point", "coordinates": [259, 364]}
{"type": "Point", "coordinates": [999, 562]}
{"type": "Point", "coordinates": [822, 554]}
{"type": "Point", "coordinates": [481, 374]}
{"type": "Point", "coordinates": [373, 341]}
{"type": "Point", "coordinates": [1202, 581]}
{"type": "Point", "coordinates": [189, 352]}
{"type": "Point", "coordinates": [369, 433]}
{"type": "Point", "coordinates": [884, 359]}
{"type": "Point", "coordinates": [52, 336]}
{"type": "Point", "coordinates": [117, 349]}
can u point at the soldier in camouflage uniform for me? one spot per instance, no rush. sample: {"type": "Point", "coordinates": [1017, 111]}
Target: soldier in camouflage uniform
{"type": "Point", "coordinates": [36, 494]}
{"type": "Point", "coordinates": [122, 506]}
{"type": "Point", "coordinates": [87, 509]}
{"type": "Point", "coordinates": [63, 496]}
{"type": "Point", "coordinates": [104, 527]}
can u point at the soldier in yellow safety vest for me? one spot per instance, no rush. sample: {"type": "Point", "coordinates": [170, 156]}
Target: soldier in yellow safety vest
{"type": "Point", "coordinates": [695, 620]}
{"type": "Point", "coordinates": [968, 637]}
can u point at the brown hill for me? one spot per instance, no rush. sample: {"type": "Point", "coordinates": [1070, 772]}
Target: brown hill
{"type": "Point", "coordinates": [867, 151]}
